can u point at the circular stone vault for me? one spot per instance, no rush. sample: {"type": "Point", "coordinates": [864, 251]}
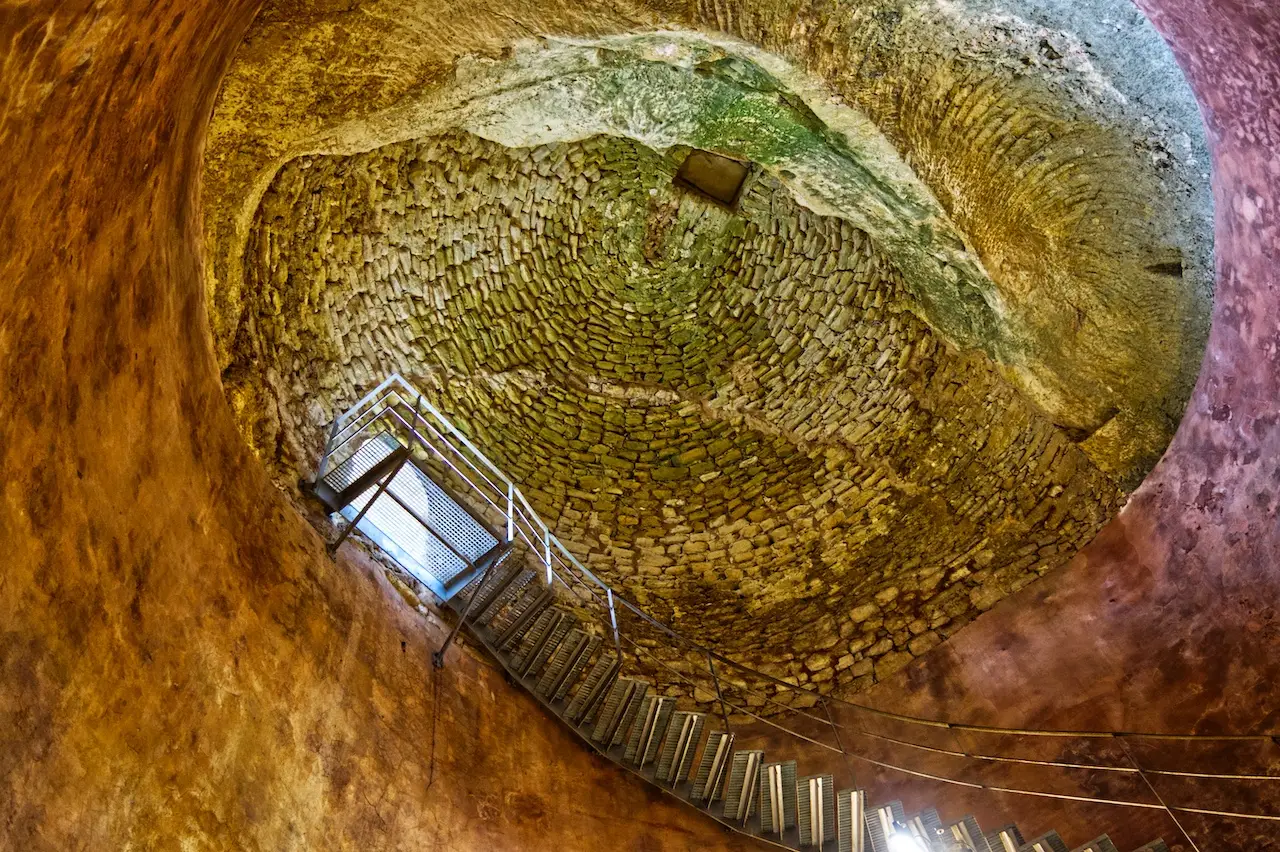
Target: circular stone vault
{"type": "Point", "coordinates": [820, 430]}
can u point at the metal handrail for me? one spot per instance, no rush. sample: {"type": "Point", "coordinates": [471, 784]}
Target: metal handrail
{"type": "Point", "coordinates": [382, 402]}
{"type": "Point", "coordinates": [548, 545]}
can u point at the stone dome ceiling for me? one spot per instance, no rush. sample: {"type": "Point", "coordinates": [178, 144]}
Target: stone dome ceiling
{"type": "Point", "coordinates": [735, 417]}
{"type": "Point", "coordinates": [821, 431]}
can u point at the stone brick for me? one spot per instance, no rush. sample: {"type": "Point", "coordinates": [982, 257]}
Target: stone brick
{"type": "Point", "coordinates": [723, 414]}
{"type": "Point", "coordinates": [891, 664]}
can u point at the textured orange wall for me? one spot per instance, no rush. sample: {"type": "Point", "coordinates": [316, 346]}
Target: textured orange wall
{"type": "Point", "coordinates": [1170, 620]}
{"type": "Point", "coordinates": [180, 664]}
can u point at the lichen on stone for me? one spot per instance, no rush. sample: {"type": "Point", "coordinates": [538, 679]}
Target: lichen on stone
{"type": "Point", "coordinates": [955, 317]}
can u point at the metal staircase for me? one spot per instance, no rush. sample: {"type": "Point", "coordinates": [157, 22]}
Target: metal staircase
{"type": "Point", "coordinates": [689, 754]}
{"type": "Point", "coordinates": [397, 470]}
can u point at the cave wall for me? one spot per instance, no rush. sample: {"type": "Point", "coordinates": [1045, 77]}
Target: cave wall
{"type": "Point", "coordinates": [183, 668]}
{"type": "Point", "coordinates": [1059, 142]}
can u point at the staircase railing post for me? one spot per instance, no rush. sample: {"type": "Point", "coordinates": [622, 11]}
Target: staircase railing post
{"type": "Point", "coordinates": [546, 541]}
{"type": "Point", "coordinates": [415, 439]}
{"type": "Point", "coordinates": [323, 468]}
{"type": "Point", "coordinates": [511, 512]}
{"type": "Point", "coordinates": [413, 429]}
{"type": "Point", "coordinates": [382, 486]}
{"type": "Point", "coordinates": [613, 622]}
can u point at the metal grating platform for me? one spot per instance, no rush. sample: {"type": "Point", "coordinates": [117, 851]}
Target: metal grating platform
{"type": "Point", "coordinates": [391, 523]}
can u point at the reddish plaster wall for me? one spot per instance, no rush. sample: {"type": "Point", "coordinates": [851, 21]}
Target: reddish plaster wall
{"type": "Point", "coordinates": [1170, 620]}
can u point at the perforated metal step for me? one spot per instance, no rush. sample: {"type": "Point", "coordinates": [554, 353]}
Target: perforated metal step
{"type": "Point", "coordinates": [851, 826]}
{"type": "Point", "coordinates": [566, 664]}
{"type": "Point", "coordinates": [538, 660]}
{"type": "Point", "coordinates": [630, 709]}
{"type": "Point", "coordinates": [591, 692]}
{"type": "Point", "coordinates": [1047, 842]}
{"type": "Point", "coordinates": [1007, 839]}
{"type": "Point", "coordinates": [535, 638]}
{"type": "Point", "coordinates": [485, 588]}
{"type": "Point", "coordinates": [925, 827]}
{"type": "Point", "coordinates": [650, 727]}
{"type": "Point", "coordinates": [526, 613]}
{"type": "Point", "coordinates": [568, 649]}
{"type": "Point", "coordinates": [740, 792]}
{"type": "Point", "coordinates": [575, 668]}
{"type": "Point", "coordinates": [807, 813]}
{"type": "Point", "coordinates": [515, 584]}
{"type": "Point", "coordinates": [613, 711]}
{"type": "Point", "coordinates": [708, 779]}
{"type": "Point", "coordinates": [777, 797]}
{"type": "Point", "coordinates": [675, 762]}
{"type": "Point", "coordinates": [880, 825]}
{"type": "Point", "coordinates": [967, 832]}
{"type": "Point", "coordinates": [816, 809]}
{"type": "Point", "coordinates": [647, 706]}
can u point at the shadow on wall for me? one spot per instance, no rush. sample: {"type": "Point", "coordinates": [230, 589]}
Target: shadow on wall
{"type": "Point", "coordinates": [181, 666]}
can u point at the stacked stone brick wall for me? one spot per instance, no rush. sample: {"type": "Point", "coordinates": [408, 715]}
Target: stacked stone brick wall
{"type": "Point", "coordinates": [734, 417]}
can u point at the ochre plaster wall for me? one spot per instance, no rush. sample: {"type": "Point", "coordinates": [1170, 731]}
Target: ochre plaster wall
{"type": "Point", "coordinates": [181, 666]}
{"type": "Point", "coordinates": [179, 661]}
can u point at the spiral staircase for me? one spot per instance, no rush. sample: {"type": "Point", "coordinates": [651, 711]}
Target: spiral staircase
{"type": "Point", "coordinates": [414, 485]}
{"type": "Point", "coordinates": [578, 678]}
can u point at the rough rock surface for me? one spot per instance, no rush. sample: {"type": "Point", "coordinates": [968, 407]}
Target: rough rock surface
{"type": "Point", "coordinates": [1074, 170]}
